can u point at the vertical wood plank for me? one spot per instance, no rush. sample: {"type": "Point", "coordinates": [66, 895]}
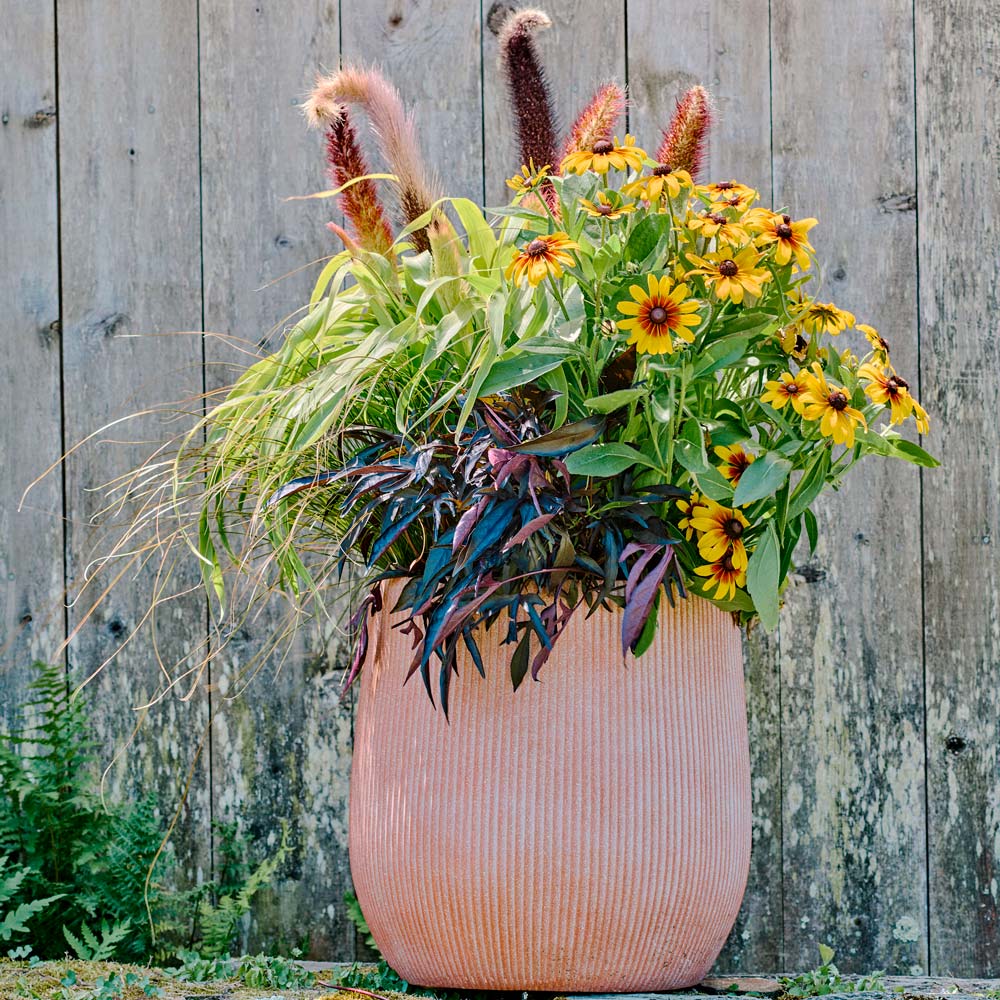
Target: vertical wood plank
{"type": "Point", "coordinates": [281, 749]}
{"type": "Point", "coordinates": [431, 51]}
{"type": "Point", "coordinates": [584, 48]}
{"type": "Point", "coordinates": [31, 542]}
{"type": "Point", "coordinates": [725, 47]}
{"type": "Point", "coordinates": [131, 274]}
{"type": "Point", "coordinates": [958, 169]}
{"type": "Point", "coordinates": [852, 682]}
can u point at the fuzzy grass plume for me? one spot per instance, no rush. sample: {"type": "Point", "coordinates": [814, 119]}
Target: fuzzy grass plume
{"type": "Point", "coordinates": [393, 127]}
{"type": "Point", "coordinates": [534, 118]}
{"type": "Point", "coordinates": [598, 119]}
{"type": "Point", "coordinates": [360, 202]}
{"type": "Point", "coordinates": [685, 141]}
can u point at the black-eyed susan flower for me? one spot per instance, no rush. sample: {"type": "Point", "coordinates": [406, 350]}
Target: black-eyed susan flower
{"type": "Point", "coordinates": [605, 155]}
{"type": "Point", "coordinates": [880, 347]}
{"type": "Point", "coordinates": [831, 406]}
{"type": "Point", "coordinates": [735, 461]}
{"type": "Point", "coordinates": [529, 179]}
{"type": "Point", "coordinates": [884, 386]}
{"type": "Point", "coordinates": [730, 194]}
{"type": "Point", "coordinates": [656, 316]}
{"type": "Point", "coordinates": [718, 226]}
{"type": "Point", "coordinates": [825, 317]}
{"type": "Point", "coordinates": [788, 237]}
{"type": "Point", "coordinates": [731, 274]}
{"type": "Point", "coordinates": [542, 256]}
{"type": "Point", "coordinates": [724, 577]}
{"type": "Point", "coordinates": [720, 530]}
{"type": "Point", "coordinates": [663, 179]}
{"type": "Point", "coordinates": [688, 509]}
{"type": "Point", "coordinates": [787, 388]}
{"type": "Point", "coordinates": [605, 208]}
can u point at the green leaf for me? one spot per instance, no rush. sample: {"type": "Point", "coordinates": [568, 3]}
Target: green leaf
{"type": "Point", "coordinates": [762, 577]}
{"type": "Point", "coordinates": [714, 485]}
{"type": "Point", "coordinates": [810, 485]}
{"type": "Point", "coordinates": [613, 400]}
{"type": "Point", "coordinates": [720, 354]}
{"type": "Point", "coordinates": [689, 448]}
{"type": "Point", "coordinates": [825, 954]}
{"type": "Point", "coordinates": [911, 452]}
{"type": "Point", "coordinates": [508, 373]}
{"type": "Point", "coordinates": [482, 241]}
{"type": "Point", "coordinates": [605, 459]}
{"type": "Point", "coordinates": [645, 238]}
{"type": "Point", "coordinates": [762, 478]}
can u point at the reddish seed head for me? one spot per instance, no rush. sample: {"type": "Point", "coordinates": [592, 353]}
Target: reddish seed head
{"type": "Point", "coordinates": [717, 218]}
{"type": "Point", "coordinates": [606, 209]}
{"type": "Point", "coordinates": [684, 141]}
{"type": "Point", "coordinates": [662, 170]}
{"type": "Point", "coordinates": [536, 247]}
{"type": "Point", "coordinates": [603, 146]}
{"type": "Point", "coordinates": [598, 120]}
{"type": "Point", "coordinates": [792, 389]}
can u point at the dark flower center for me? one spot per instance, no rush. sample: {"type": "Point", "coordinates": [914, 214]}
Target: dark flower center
{"type": "Point", "coordinates": [717, 218]}
{"type": "Point", "coordinates": [784, 231]}
{"type": "Point", "coordinates": [603, 146]}
{"type": "Point", "coordinates": [606, 209]}
{"type": "Point", "coordinates": [661, 170]}
{"type": "Point", "coordinates": [786, 219]}
{"type": "Point", "coordinates": [728, 268]}
{"type": "Point", "coordinates": [734, 201]}
{"type": "Point", "coordinates": [800, 343]}
{"type": "Point", "coordinates": [726, 563]}
{"type": "Point", "coordinates": [792, 389]}
{"type": "Point", "coordinates": [724, 186]}
{"type": "Point", "coordinates": [658, 315]}
{"type": "Point", "coordinates": [536, 248]}
{"type": "Point", "coordinates": [898, 382]}
{"type": "Point", "coordinates": [838, 401]}
{"type": "Point", "coordinates": [733, 528]}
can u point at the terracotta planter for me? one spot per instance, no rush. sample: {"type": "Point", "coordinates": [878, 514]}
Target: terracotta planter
{"type": "Point", "coordinates": [588, 833]}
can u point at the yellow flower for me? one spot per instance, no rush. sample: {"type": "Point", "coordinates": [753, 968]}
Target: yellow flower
{"type": "Point", "coordinates": [880, 347]}
{"type": "Point", "coordinates": [730, 274]}
{"type": "Point", "coordinates": [689, 509]}
{"type": "Point", "coordinates": [792, 342]}
{"type": "Point", "coordinates": [735, 461]}
{"type": "Point", "coordinates": [528, 179]}
{"type": "Point", "coordinates": [830, 405]}
{"type": "Point", "coordinates": [730, 194]}
{"type": "Point", "coordinates": [662, 179]}
{"type": "Point", "coordinates": [604, 209]}
{"type": "Point", "coordinates": [655, 316]}
{"type": "Point", "coordinates": [715, 224]}
{"type": "Point", "coordinates": [884, 386]}
{"type": "Point", "coordinates": [825, 316]}
{"type": "Point", "coordinates": [543, 255]}
{"type": "Point", "coordinates": [605, 154]}
{"type": "Point", "coordinates": [720, 530]}
{"type": "Point", "coordinates": [724, 577]}
{"type": "Point", "coordinates": [788, 238]}
{"type": "Point", "coordinates": [787, 388]}
{"type": "Point", "coordinates": [920, 415]}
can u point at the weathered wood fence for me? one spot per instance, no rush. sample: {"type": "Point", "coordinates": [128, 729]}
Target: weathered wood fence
{"type": "Point", "coordinates": [145, 152]}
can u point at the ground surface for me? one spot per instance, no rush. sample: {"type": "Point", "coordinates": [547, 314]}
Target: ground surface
{"type": "Point", "coordinates": [76, 980]}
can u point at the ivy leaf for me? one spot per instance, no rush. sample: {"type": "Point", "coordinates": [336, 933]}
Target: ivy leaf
{"type": "Point", "coordinates": [762, 478]}
{"type": "Point", "coordinates": [762, 578]}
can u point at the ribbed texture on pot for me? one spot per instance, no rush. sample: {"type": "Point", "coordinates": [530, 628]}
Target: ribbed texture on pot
{"type": "Point", "coordinates": [588, 833]}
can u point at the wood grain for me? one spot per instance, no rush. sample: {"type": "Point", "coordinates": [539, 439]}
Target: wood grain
{"type": "Point", "coordinates": [958, 168]}
{"type": "Point", "coordinates": [584, 48]}
{"type": "Point", "coordinates": [281, 749]}
{"type": "Point", "coordinates": [726, 50]}
{"type": "Point", "coordinates": [129, 213]}
{"type": "Point", "coordinates": [31, 542]}
{"type": "Point", "coordinates": [852, 683]}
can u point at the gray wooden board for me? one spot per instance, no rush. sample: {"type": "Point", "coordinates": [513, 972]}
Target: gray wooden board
{"type": "Point", "coordinates": [852, 683]}
{"type": "Point", "coordinates": [958, 168]}
{"type": "Point", "coordinates": [281, 742]}
{"type": "Point", "coordinates": [130, 277]}
{"type": "Point", "coordinates": [31, 542]}
{"type": "Point", "coordinates": [726, 50]}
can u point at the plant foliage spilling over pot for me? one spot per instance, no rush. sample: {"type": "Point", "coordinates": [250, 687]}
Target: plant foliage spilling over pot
{"type": "Point", "coordinates": [620, 388]}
